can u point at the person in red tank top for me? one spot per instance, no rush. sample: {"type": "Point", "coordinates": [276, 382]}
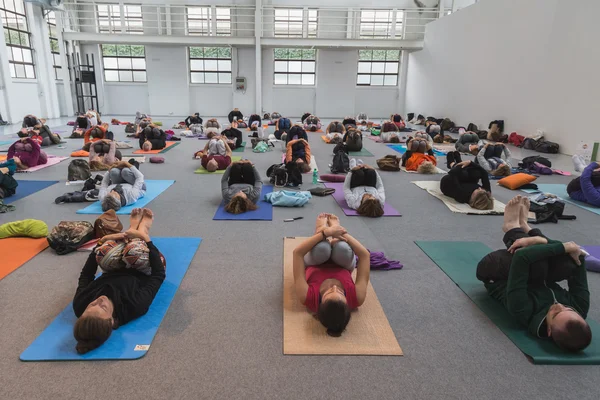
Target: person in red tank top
{"type": "Point", "coordinates": [323, 266]}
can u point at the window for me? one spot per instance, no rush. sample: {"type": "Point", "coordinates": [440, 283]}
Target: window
{"type": "Point", "coordinates": [210, 65]}
{"type": "Point", "coordinates": [378, 67]}
{"type": "Point", "coordinates": [199, 21]}
{"type": "Point", "coordinates": [51, 20]}
{"type": "Point", "coordinates": [295, 66]}
{"type": "Point", "coordinates": [289, 22]}
{"type": "Point", "coordinates": [378, 24]}
{"type": "Point", "coordinates": [124, 63]}
{"type": "Point", "coordinates": [18, 39]}
{"type": "Point", "coordinates": [109, 18]}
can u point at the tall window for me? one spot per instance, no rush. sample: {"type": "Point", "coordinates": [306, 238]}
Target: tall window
{"type": "Point", "coordinates": [295, 66]}
{"type": "Point", "coordinates": [124, 63]}
{"type": "Point", "coordinates": [210, 65]}
{"type": "Point", "coordinates": [109, 18]}
{"type": "Point", "coordinates": [378, 24]}
{"type": "Point", "coordinates": [51, 19]}
{"type": "Point", "coordinates": [289, 22]}
{"type": "Point", "coordinates": [378, 67]}
{"type": "Point", "coordinates": [18, 39]}
{"type": "Point", "coordinates": [199, 21]}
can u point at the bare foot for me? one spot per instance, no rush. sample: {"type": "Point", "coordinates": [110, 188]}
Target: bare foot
{"type": "Point", "coordinates": [511, 214]}
{"type": "Point", "coordinates": [148, 218]}
{"type": "Point", "coordinates": [321, 222]}
{"type": "Point", "coordinates": [333, 220]}
{"type": "Point", "coordinates": [135, 218]}
{"type": "Point", "coordinates": [525, 203]}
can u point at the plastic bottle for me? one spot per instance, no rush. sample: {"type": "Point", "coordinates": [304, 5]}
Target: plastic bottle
{"type": "Point", "coordinates": [315, 177]}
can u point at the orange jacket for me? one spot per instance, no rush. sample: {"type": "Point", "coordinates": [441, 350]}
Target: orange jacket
{"type": "Point", "coordinates": [86, 137]}
{"type": "Point", "coordinates": [417, 159]}
{"type": "Point", "coordinates": [288, 153]}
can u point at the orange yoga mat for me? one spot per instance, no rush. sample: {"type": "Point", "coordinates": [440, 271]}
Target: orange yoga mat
{"type": "Point", "coordinates": [17, 251]}
{"type": "Point", "coordinates": [325, 139]}
{"type": "Point", "coordinates": [3, 158]}
{"type": "Point", "coordinates": [317, 131]}
{"type": "Point", "coordinates": [169, 144]}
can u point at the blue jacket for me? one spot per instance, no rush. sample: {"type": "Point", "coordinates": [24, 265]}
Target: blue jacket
{"type": "Point", "coordinates": [10, 164]}
{"type": "Point", "coordinates": [588, 193]}
{"type": "Point", "coordinates": [288, 198]}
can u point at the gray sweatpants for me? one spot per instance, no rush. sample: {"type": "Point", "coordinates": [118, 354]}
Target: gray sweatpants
{"type": "Point", "coordinates": [340, 253]}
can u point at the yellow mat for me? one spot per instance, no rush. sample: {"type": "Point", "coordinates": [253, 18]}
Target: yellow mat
{"type": "Point", "coordinates": [368, 333]}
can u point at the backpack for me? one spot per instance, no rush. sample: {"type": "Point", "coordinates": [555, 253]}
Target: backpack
{"type": "Point", "coordinates": [340, 163]}
{"type": "Point", "coordinates": [447, 124]}
{"type": "Point", "coordinates": [278, 175]}
{"type": "Point", "coordinates": [545, 146]}
{"type": "Point", "coordinates": [528, 162]}
{"type": "Point", "coordinates": [67, 236]}
{"type": "Point", "coordinates": [130, 128]}
{"type": "Point", "coordinates": [389, 163]}
{"type": "Point", "coordinates": [79, 170]}
{"type": "Point", "coordinates": [529, 143]}
{"type": "Point", "coordinates": [107, 224]}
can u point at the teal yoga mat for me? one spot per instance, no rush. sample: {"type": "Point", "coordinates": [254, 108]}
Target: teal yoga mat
{"type": "Point", "coordinates": [362, 153]}
{"type": "Point", "coordinates": [153, 190]}
{"type": "Point", "coordinates": [459, 261]}
{"type": "Point", "coordinates": [560, 190]}
{"type": "Point", "coordinates": [240, 149]}
{"type": "Point", "coordinates": [131, 341]}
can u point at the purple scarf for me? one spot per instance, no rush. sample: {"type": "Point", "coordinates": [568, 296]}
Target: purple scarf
{"type": "Point", "coordinates": [379, 262]}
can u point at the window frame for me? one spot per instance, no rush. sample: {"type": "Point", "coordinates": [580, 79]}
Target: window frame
{"type": "Point", "coordinates": [389, 24]}
{"type": "Point", "coordinates": [383, 74]}
{"type": "Point", "coordinates": [207, 19]}
{"type": "Point", "coordinates": [51, 22]}
{"type": "Point", "coordinates": [13, 14]}
{"type": "Point", "coordinates": [113, 18]}
{"type": "Point", "coordinates": [311, 20]}
{"type": "Point", "coordinates": [118, 69]}
{"type": "Point", "coordinates": [204, 71]}
{"type": "Point", "coordinates": [289, 59]}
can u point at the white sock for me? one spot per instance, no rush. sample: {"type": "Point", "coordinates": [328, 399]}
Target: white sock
{"type": "Point", "coordinates": [352, 163]}
{"type": "Point", "coordinates": [578, 163]}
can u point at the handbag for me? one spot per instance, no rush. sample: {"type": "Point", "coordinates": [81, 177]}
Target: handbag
{"type": "Point", "coordinates": [107, 224]}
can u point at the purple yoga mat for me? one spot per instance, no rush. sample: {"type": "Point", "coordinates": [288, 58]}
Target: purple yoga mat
{"type": "Point", "coordinates": [388, 211]}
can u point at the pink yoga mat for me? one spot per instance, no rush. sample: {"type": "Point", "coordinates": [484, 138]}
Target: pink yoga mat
{"type": "Point", "coordinates": [388, 210]}
{"type": "Point", "coordinates": [52, 160]}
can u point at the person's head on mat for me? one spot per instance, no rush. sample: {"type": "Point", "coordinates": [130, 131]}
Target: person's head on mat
{"type": "Point", "coordinates": [147, 146]}
{"type": "Point", "coordinates": [426, 167]}
{"type": "Point", "coordinates": [333, 312]}
{"type": "Point", "coordinates": [95, 325]}
{"type": "Point", "coordinates": [254, 126]}
{"type": "Point", "coordinates": [394, 138]}
{"type": "Point", "coordinates": [212, 165]}
{"type": "Point", "coordinates": [501, 170]}
{"type": "Point", "coordinates": [304, 167]}
{"type": "Point", "coordinates": [370, 206]}
{"type": "Point", "coordinates": [240, 203]}
{"type": "Point", "coordinates": [474, 149]}
{"type": "Point", "coordinates": [481, 200]}
{"type": "Point", "coordinates": [112, 201]}
{"type": "Point", "coordinates": [567, 328]}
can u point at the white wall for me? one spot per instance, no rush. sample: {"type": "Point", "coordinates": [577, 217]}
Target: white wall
{"type": "Point", "coordinates": [531, 63]}
{"type": "Point", "coordinates": [26, 99]}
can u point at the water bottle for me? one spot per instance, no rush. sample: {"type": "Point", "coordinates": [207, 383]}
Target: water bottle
{"type": "Point", "coordinates": [315, 177]}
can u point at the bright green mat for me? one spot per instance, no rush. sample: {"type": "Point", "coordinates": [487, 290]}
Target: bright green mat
{"type": "Point", "coordinates": [459, 261]}
{"type": "Point", "coordinates": [201, 170]}
{"type": "Point", "coordinates": [363, 152]}
{"type": "Point", "coordinates": [240, 149]}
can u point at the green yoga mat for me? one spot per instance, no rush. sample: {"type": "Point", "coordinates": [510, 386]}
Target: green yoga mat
{"type": "Point", "coordinates": [459, 261]}
{"type": "Point", "coordinates": [363, 152]}
{"type": "Point", "coordinates": [240, 149]}
{"type": "Point", "coordinates": [201, 170]}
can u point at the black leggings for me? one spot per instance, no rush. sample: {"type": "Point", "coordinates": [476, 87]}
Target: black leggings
{"type": "Point", "coordinates": [363, 177]}
{"type": "Point", "coordinates": [236, 135]}
{"type": "Point", "coordinates": [493, 151]}
{"type": "Point", "coordinates": [241, 173]}
{"type": "Point", "coordinates": [298, 135]}
{"type": "Point", "coordinates": [495, 266]}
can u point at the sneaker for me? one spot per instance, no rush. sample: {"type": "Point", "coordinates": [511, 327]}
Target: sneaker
{"type": "Point", "coordinates": [359, 162]}
{"type": "Point", "coordinates": [352, 163]}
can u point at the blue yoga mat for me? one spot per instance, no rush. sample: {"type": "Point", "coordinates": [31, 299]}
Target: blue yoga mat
{"type": "Point", "coordinates": [263, 213]}
{"type": "Point", "coordinates": [401, 148]}
{"type": "Point", "coordinates": [560, 190]}
{"type": "Point", "coordinates": [153, 189]}
{"type": "Point", "coordinates": [26, 188]}
{"type": "Point", "coordinates": [5, 142]}
{"type": "Point", "coordinates": [130, 341]}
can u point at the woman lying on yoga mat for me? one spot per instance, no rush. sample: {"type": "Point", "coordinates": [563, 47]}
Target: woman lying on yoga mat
{"type": "Point", "coordinates": [298, 151]}
{"type": "Point", "coordinates": [524, 279]}
{"type": "Point", "coordinates": [586, 188]}
{"type": "Point", "coordinates": [349, 122]}
{"type": "Point", "coordinates": [233, 136]}
{"type": "Point", "coordinates": [390, 133]}
{"type": "Point", "coordinates": [152, 139]}
{"type": "Point", "coordinates": [103, 154]}
{"type": "Point", "coordinates": [123, 185]}
{"type": "Point", "coordinates": [415, 159]}
{"type": "Point", "coordinates": [353, 140]}
{"type": "Point", "coordinates": [241, 186]}
{"type": "Point", "coordinates": [468, 142]}
{"type": "Point", "coordinates": [282, 126]}
{"type": "Point", "coordinates": [462, 183]}
{"type": "Point", "coordinates": [212, 158]}
{"type": "Point", "coordinates": [254, 122]}
{"type": "Point", "coordinates": [235, 114]}
{"type": "Point", "coordinates": [82, 124]}
{"type": "Point", "coordinates": [323, 266]}
{"type": "Point", "coordinates": [193, 120]}
{"type": "Point", "coordinates": [398, 121]}
{"type": "Point", "coordinates": [363, 191]}
{"type": "Point", "coordinates": [312, 123]}
{"type": "Point", "coordinates": [363, 122]}
{"type": "Point", "coordinates": [335, 129]}
{"type": "Point", "coordinates": [294, 133]}
{"type": "Point", "coordinates": [495, 159]}
{"type": "Point", "coordinates": [96, 133]}
{"type": "Point", "coordinates": [26, 153]}
{"type": "Point", "coordinates": [133, 273]}
{"type": "Point", "coordinates": [38, 130]}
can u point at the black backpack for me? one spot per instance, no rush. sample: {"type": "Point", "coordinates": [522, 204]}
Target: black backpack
{"type": "Point", "coordinates": [67, 236]}
{"type": "Point", "coordinates": [472, 127]}
{"type": "Point", "coordinates": [340, 163]}
{"type": "Point", "coordinates": [544, 146]}
{"type": "Point", "coordinates": [278, 175]}
{"type": "Point", "coordinates": [79, 170]}
{"type": "Point", "coordinates": [528, 162]}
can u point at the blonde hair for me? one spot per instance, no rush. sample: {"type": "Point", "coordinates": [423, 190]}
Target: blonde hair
{"type": "Point", "coordinates": [96, 165]}
{"type": "Point", "coordinates": [482, 200]}
{"type": "Point", "coordinates": [239, 205]}
{"type": "Point", "coordinates": [503, 170]}
{"type": "Point", "coordinates": [426, 167]}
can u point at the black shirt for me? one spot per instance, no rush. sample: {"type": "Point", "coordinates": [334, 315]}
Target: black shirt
{"type": "Point", "coordinates": [193, 119]}
{"type": "Point", "coordinates": [131, 291]}
{"type": "Point", "coordinates": [234, 134]}
{"type": "Point", "coordinates": [156, 136]}
{"type": "Point", "coordinates": [238, 115]}
{"type": "Point", "coordinates": [460, 183]}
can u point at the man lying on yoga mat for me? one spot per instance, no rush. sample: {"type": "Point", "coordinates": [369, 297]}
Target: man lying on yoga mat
{"type": "Point", "coordinates": [462, 183]}
{"type": "Point", "coordinates": [334, 130]}
{"type": "Point", "coordinates": [123, 185]}
{"type": "Point", "coordinates": [468, 142]}
{"type": "Point", "coordinates": [586, 188]}
{"type": "Point", "coordinates": [363, 191]}
{"type": "Point", "coordinates": [212, 157]}
{"type": "Point", "coordinates": [241, 186]}
{"type": "Point", "coordinates": [495, 159]}
{"type": "Point", "coordinates": [390, 133]}
{"type": "Point", "coordinates": [524, 279]}
{"type": "Point", "coordinates": [152, 139]}
{"type": "Point", "coordinates": [103, 154]}
{"type": "Point", "coordinates": [127, 287]}
{"type": "Point", "coordinates": [323, 266]}
{"type": "Point", "coordinates": [233, 135]}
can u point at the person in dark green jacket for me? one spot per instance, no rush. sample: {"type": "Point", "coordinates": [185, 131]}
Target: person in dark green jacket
{"type": "Point", "coordinates": [534, 298]}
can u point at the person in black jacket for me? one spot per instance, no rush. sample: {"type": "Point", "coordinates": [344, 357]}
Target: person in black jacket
{"type": "Point", "coordinates": [235, 113]}
{"type": "Point", "coordinates": [152, 139]}
{"type": "Point", "coordinates": [353, 140]}
{"type": "Point", "coordinates": [193, 119]}
{"type": "Point", "coordinates": [117, 297]}
{"type": "Point", "coordinates": [233, 135]}
{"type": "Point", "coordinates": [462, 183]}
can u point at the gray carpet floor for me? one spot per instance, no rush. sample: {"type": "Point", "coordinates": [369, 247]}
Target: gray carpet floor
{"type": "Point", "coordinates": [222, 336]}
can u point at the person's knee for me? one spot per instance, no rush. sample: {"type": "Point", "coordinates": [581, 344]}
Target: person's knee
{"type": "Point", "coordinates": [127, 175]}
{"type": "Point", "coordinates": [343, 255]}
{"type": "Point", "coordinates": [319, 254]}
{"type": "Point", "coordinates": [115, 175]}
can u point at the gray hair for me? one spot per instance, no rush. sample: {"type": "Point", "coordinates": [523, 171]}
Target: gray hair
{"type": "Point", "coordinates": [110, 203]}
